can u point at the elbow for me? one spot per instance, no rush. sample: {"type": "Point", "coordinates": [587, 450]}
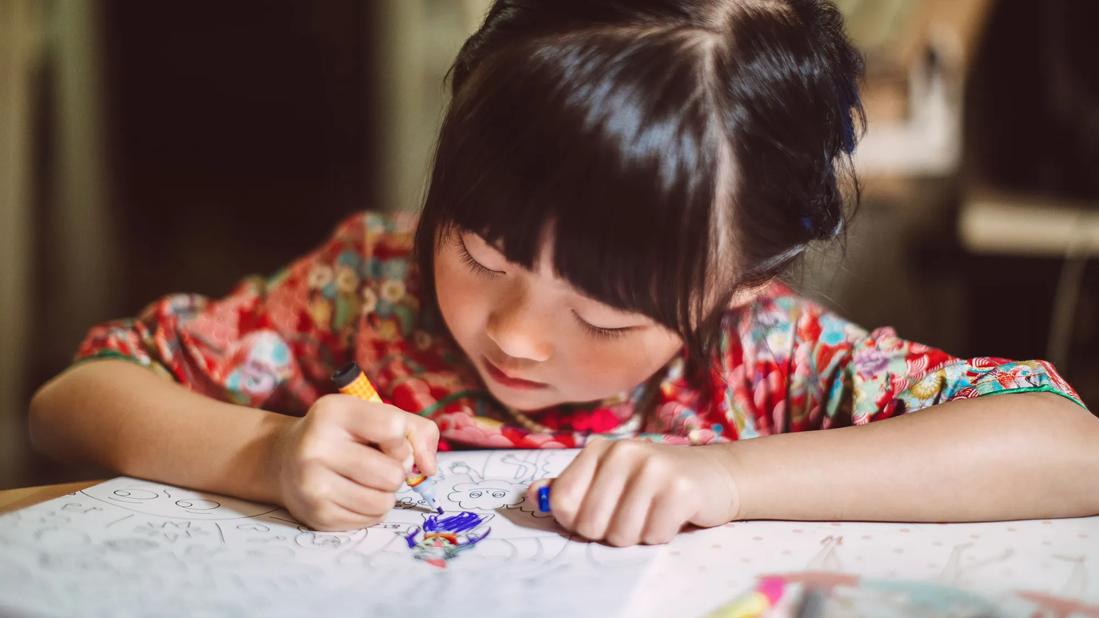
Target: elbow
{"type": "Point", "coordinates": [1090, 449]}
{"type": "Point", "coordinates": [1080, 444]}
{"type": "Point", "coordinates": [42, 417]}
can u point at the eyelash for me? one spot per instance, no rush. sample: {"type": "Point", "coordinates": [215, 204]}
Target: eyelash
{"type": "Point", "coordinates": [475, 266]}
{"type": "Point", "coordinates": [480, 269]}
{"type": "Point", "coordinates": [604, 333]}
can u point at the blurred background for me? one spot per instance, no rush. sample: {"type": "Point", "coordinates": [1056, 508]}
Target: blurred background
{"type": "Point", "coordinates": [148, 148]}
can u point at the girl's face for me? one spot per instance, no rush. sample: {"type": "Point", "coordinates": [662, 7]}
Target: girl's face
{"type": "Point", "coordinates": [535, 340]}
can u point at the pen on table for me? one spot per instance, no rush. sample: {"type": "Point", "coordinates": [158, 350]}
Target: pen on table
{"type": "Point", "coordinates": [351, 380]}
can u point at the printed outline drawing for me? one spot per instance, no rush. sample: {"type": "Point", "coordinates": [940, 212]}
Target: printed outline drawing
{"type": "Point", "coordinates": [151, 499]}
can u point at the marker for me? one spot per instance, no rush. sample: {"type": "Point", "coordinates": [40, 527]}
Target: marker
{"type": "Point", "coordinates": [543, 498]}
{"type": "Point", "coordinates": [352, 381]}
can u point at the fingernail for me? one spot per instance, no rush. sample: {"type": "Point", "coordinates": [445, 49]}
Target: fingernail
{"type": "Point", "coordinates": [543, 498]}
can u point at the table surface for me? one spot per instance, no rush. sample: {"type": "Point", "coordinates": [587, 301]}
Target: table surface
{"type": "Point", "coordinates": [12, 499]}
{"type": "Point", "coordinates": [1041, 563]}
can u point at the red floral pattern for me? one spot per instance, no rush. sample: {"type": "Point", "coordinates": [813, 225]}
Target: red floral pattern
{"type": "Point", "coordinates": [785, 363]}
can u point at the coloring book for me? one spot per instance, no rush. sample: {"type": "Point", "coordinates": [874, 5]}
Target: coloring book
{"type": "Point", "coordinates": [129, 547]}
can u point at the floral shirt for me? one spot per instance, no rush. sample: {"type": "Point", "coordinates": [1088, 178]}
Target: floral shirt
{"type": "Point", "coordinates": [785, 364]}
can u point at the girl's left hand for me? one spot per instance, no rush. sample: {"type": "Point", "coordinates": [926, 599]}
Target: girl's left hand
{"type": "Point", "coordinates": [626, 492]}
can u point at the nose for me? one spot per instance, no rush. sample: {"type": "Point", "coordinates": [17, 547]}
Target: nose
{"type": "Point", "coordinates": [519, 330]}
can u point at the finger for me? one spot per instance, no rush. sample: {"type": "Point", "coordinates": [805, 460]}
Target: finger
{"type": "Point", "coordinates": [615, 466]}
{"type": "Point", "coordinates": [569, 488]}
{"type": "Point", "coordinates": [628, 522]}
{"type": "Point", "coordinates": [423, 434]}
{"type": "Point", "coordinates": [377, 423]}
{"type": "Point", "coordinates": [322, 509]}
{"type": "Point", "coordinates": [367, 467]}
{"type": "Point", "coordinates": [363, 502]}
{"type": "Point", "coordinates": [664, 520]}
{"type": "Point", "coordinates": [532, 493]}
{"type": "Point", "coordinates": [395, 442]}
{"type": "Point", "coordinates": [335, 518]}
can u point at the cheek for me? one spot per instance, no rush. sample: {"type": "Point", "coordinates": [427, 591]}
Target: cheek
{"type": "Point", "coordinates": [462, 299]}
{"type": "Point", "coordinates": [607, 369]}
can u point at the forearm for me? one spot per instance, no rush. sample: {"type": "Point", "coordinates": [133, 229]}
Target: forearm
{"type": "Point", "coordinates": [124, 417]}
{"type": "Point", "coordinates": [1017, 456]}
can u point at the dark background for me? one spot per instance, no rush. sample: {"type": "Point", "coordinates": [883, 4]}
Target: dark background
{"type": "Point", "coordinates": [239, 133]}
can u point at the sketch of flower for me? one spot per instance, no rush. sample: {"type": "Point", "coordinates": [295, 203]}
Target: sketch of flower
{"type": "Point", "coordinates": [171, 531]}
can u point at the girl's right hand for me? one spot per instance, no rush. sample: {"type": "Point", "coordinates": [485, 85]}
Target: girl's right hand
{"type": "Point", "coordinates": [340, 464]}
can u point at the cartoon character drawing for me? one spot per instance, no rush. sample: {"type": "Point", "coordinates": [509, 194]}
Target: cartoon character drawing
{"type": "Point", "coordinates": [398, 528]}
{"type": "Point", "coordinates": [489, 494]}
{"type": "Point", "coordinates": [524, 467]}
{"type": "Point", "coordinates": [174, 502]}
{"type": "Point", "coordinates": [442, 537]}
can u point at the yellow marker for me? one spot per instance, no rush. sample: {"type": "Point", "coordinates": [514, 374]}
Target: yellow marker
{"type": "Point", "coordinates": [352, 381]}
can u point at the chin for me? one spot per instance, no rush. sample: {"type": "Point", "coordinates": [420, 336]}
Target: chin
{"type": "Point", "coordinates": [524, 402]}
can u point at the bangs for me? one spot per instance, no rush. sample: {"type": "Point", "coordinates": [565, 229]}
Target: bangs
{"type": "Point", "coordinates": [565, 135]}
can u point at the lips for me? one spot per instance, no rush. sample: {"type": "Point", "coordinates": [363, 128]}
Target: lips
{"type": "Point", "coordinates": [499, 376]}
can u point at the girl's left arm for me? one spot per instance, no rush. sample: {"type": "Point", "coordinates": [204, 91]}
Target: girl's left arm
{"type": "Point", "coordinates": [1014, 456]}
{"type": "Point", "coordinates": [1018, 456]}
{"type": "Point", "coordinates": [913, 434]}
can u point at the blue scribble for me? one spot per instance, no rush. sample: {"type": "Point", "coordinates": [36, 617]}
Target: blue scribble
{"type": "Point", "coordinates": [461, 522]}
{"type": "Point", "coordinates": [440, 539]}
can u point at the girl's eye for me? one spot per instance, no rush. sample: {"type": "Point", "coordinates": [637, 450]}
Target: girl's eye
{"type": "Point", "coordinates": [598, 331]}
{"type": "Point", "coordinates": [471, 262]}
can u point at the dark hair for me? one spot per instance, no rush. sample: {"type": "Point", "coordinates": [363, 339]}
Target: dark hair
{"type": "Point", "coordinates": [678, 149]}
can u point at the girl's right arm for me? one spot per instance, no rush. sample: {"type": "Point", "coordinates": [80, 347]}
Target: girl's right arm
{"type": "Point", "coordinates": [183, 407]}
{"type": "Point", "coordinates": [124, 417]}
{"type": "Point", "coordinates": [322, 466]}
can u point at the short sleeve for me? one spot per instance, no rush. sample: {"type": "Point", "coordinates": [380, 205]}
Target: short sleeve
{"type": "Point", "coordinates": [270, 342]}
{"type": "Point", "coordinates": [791, 365]}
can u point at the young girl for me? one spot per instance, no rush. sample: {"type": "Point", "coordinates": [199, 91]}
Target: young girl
{"type": "Point", "coordinates": [617, 188]}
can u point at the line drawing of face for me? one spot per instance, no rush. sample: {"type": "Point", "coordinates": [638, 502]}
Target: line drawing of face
{"type": "Point", "coordinates": [153, 499]}
{"type": "Point", "coordinates": [198, 505]}
{"type": "Point", "coordinates": [398, 528]}
{"type": "Point", "coordinates": [133, 495]}
{"type": "Point", "coordinates": [487, 495]}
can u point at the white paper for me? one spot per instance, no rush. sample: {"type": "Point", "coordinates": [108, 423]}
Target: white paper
{"type": "Point", "coordinates": [129, 547]}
